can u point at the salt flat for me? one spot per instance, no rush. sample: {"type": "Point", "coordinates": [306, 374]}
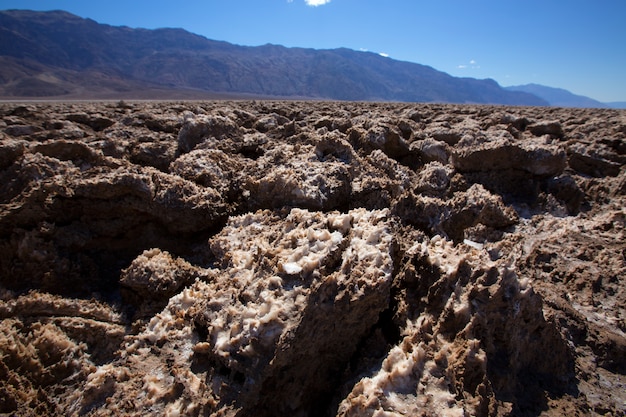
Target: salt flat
{"type": "Point", "coordinates": [311, 258]}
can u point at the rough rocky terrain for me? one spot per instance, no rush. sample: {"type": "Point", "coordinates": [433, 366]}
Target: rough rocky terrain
{"type": "Point", "coordinates": [311, 259]}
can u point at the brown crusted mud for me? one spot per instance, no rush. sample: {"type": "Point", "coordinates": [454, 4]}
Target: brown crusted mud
{"type": "Point", "coordinates": [311, 259]}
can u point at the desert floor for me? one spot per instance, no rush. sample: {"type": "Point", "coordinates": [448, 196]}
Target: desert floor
{"type": "Point", "coordinates": [284, 258]}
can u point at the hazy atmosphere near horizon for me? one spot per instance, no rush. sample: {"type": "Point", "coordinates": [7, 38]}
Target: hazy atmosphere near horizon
{"type": "Point", "coordinates": [576, 45]}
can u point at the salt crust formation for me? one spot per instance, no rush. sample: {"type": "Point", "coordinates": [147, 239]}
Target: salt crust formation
{"type": "Point", "coordinates": [311, 259]}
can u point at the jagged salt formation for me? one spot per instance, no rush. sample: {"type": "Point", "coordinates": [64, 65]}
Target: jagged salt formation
{"type": "Point", "coordinates": [285, 258]}
{"type": "Point", "coordinates": [466, 344]}
{"type": "Point", "coordinates": [229, 341]}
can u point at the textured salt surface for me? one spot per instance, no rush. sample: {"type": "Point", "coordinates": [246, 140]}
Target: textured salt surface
{"type": "Point", "coordinates": [311, 259]}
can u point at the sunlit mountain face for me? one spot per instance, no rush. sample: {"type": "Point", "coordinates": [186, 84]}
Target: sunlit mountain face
{"type": "Point", "coordinates": [48, 54]}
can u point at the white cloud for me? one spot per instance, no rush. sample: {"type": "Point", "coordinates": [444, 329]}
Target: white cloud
{"type": "Point", "coordinates": [316, 3]}
{"type": "Point", "coordinates": [472, 65]}
{"type": "Point", "coordinates": [383, 54]}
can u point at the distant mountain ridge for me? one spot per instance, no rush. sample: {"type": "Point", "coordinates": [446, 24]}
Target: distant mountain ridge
{"type": "Point", "coordinates": [559, 97]}
{"type": "Point", "coordinates": [60, 54]}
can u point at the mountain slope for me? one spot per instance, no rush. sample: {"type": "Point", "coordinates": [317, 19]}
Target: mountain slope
{"type": "Point", "coordinates": [558, 96]}
{"type": "Point", "coordinates": [617, 104]}
{"type": "Point", "coordinates": [55, 53]}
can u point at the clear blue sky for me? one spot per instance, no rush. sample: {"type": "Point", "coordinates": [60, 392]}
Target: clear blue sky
{"type": "Point", "coordinates": [579, 45]}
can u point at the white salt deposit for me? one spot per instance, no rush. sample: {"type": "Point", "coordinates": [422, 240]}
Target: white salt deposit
{"type": "Point", "coordinates": [291, 268]}
{"type": "Point", "coordinates": [473, 244]}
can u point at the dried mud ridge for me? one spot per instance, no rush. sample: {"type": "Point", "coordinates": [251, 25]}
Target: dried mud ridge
{"type": "Point", "coordinates": [311, 259]}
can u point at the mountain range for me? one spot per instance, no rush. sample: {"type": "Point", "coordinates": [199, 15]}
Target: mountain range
{"type": "Point", "coordinates": [562, 98]}
{"type": "Point", "coordinates": [57, 54]}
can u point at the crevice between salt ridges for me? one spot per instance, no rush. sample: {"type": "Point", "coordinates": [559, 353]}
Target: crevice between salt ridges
{"type": "Point", "coordinates": [440, 367]}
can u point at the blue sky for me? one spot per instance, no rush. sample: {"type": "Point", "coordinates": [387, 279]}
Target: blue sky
{"type": "Point", "coordinates": [579, 45]}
